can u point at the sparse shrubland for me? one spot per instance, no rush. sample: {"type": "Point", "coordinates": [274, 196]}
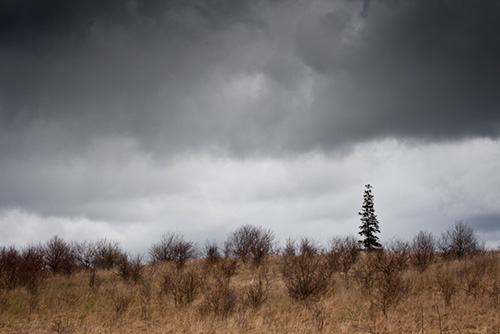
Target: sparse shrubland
{"type": "Point", "coordinates": [425, 286]}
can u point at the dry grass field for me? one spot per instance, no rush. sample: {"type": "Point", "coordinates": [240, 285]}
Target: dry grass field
{"type": "Point", "coordinates": [381, 293]}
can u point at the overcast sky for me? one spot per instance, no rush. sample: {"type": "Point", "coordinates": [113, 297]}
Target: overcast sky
{"type": "Point", "coordinates": [128, 119]}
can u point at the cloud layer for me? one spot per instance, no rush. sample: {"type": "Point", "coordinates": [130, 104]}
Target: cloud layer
{"type": "Point", "coordinates": [262, 76]}
{"type": "Point", "coordinates": [206, 196]}
{"type": "Point", "coordinates": [202, 114]}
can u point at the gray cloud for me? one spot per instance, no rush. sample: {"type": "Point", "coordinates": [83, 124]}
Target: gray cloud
{"type": "Point", "coordinates": [415, 69]}
{"type": "Point", "coordinates": [324, 76]}
{"type": "Point", "coordinates": [118, 114]}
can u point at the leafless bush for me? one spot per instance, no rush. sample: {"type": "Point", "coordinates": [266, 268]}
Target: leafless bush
{"type": "Point", "coordinates": [343, 254]}
{"type": "Point", "coordinates": [182, 285]}
{"type": "Point", "coordinates": [459, 241]}
{"type": "Point", "coordinates": [31, 272]}
{"type": "Point", "coordinates": [219, 299]}
{"type": "Point", "coordinates": [446, 280]}
{"type": "Point", "coordinates": [130, 268]}
{"type": "Point", "coordinates": [400, 253]}
{"type": "Point", "coordinates": [212, 254]}
{"type": "Point", "coordinates": [251, 243]}
{"type": "Point", "coordinates": [59, 257]}
{"type": "Point", "coordinates": [257, 292]}
{"type": "Point", "coordinates": [217, 264]}
{"type": "Point", "coordinates": [172, 248]}
{"type": "Point", "coordinates": [305, 270]}
{"type": "Point", "coordinates": [473, 274]}
{"type": "Point", "coordinates": [381, 276]}
{"type": "Point", "coordinates": [107, 254]}
{"type": "Point", "coordinates": [423, 249]}
{"type": "Point", "coordinates": [85, 254]}
{"type": "Point", "coordinates": [223, 270]}
{"type": "Point", "coordinates": [88, 257]}
{"type": "Point", "coordinates": [10, 260]}
{"type": "Point", "coordinates": [120, 300]}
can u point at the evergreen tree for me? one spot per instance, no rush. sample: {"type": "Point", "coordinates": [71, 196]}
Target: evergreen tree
{"type": "Point", "coordinates": [369, 221]}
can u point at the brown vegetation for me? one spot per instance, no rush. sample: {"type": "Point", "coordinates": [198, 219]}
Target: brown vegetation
{"type": "Point", "coordinates": [304, 289]}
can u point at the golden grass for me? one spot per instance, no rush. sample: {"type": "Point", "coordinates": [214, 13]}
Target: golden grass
{"type": "Point", "coordinates": [69, 305]}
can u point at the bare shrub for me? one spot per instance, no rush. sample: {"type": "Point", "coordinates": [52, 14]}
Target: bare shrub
{"type": "Point", "coordinates": [257, 292]}
{"type": "Point", "coordinates": [212, 254]}
{"type": "Point", "coordinates": [225, 269]}
{"type": "Point", "coordinates": [446, 280]}
{"type": "Point", "coordinates": [458, 241]}
{"type": "Point", "coordinates": [400, 252]}
{"type": "Point", "coordinates": [423, 249]}
{"type": "Point", "coordinates": [130, 268]}
{"type": "Point", "coordinates": [251, 243]}
{"type": "Point", "coordinates": [88, 257]}
{"type": "Point", "coordinates": [107, 254]}
{"type": "Point", "coordinates": [10, 260]}
{"type": "Point", "coordinates": [473, 274]}
{"type": "Point", "coordinates": [120, 300]}
{"type": "Point", "coordinates": [172, 248]}
{"type": "Point", "coordinates": [85, 254]}
{"type": "Point", "coordinates": [31, 272]}
{"type": "Point", "coordinates": [381, 277]}
{"type": "Point", "coordinates": [219, 299]}
{"type": "Point", "coordinates": [59, 257]}
{"type": "Point", "coordinates": [217, 264]}
{"type": "Point", "coordinates": [343, 254]}
{"type": "Point", "coordinates": [182, 285]}
{"type": "Point", "coordinates": [305, 270]}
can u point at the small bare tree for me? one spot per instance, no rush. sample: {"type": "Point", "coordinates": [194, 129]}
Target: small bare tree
{"type": "Point", "coordinates": [181, 285]}
{"type": "Point", "coordinates": [130, 268]}
{"type": "Point", "coordinates": [172, 247]}
{"type": "Point", "coordinates": [219, 298]}
{"type": "Point", "coordinates": [59, 257]}
{"type": "Point", "coordinates": [343, 254]}
{"type": "Point", "coordinates": [381, 277]}
{"type": "Point", "coordinates": [107, 254]}
{"type": "Point", "coordinates": [423, 249]}
{"type": "Point", "coordinates": [257, 292]}
{"type": "Point", "coordinates": [85, 254]}
{"type": "Point", "coordinates": [458, 241]}
{"type": "Point", "coordinates": [212, 253]}
{"type": "Point", "coordinates": [251, 242]}
{"type": "Point", "coordinates": [400, 253]}
{"type": "Point", "coordinates": [10, 260]}
{"type": "Point", "coordinates": [305, 270]}
{"type": "Point", "coordinates": [31, 272]}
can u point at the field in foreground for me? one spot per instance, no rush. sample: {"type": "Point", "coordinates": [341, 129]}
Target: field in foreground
{"type": "Point", "coordinates": [380, 293]}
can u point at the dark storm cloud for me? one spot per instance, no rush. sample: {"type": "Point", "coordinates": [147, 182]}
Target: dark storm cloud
{"type": "Point", "coordinates": [417, 68]}
{"type": "Point", "coordinates": [73, 71]}
{"type": "Point", "coordinates": [247, 76]}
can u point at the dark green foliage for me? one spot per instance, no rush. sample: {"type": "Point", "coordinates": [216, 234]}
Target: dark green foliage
{"type": "Point", "coordinates": [369, 226]}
